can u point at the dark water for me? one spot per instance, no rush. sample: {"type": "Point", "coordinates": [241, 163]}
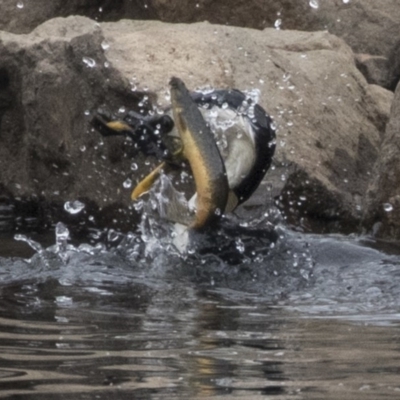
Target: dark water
{"type": "Point", "coordinates": [314, 317]}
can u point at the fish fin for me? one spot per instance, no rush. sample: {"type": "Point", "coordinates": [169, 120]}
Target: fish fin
{"type": "Point", "coordinates": [119, 126]}
{"type": "Point", "coordinates": [232, 202]}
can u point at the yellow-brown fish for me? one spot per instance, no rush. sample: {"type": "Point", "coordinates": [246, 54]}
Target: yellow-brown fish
{"type": "Point", "coordinates": [200, 149]}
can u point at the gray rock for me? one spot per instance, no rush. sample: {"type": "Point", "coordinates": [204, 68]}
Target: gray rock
{"type": "Point", "coordinates": [48, 153]}
{"type": "Point", "coordinates": [375, 69]}
{"type": "Point", "coordinates": [368, 26]}
{"type": "Point", "coordinates": [330, 120]}
{"type": "Point", "coordinates": [394, 67]}
{"type": "Point", "coordinates": [384, 193]}
{"type": "Point", "coordinates": [22, 16]}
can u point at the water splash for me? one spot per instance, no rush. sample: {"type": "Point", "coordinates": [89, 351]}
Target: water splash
{"type": "Point", "coordinates": [31, 243]}
{"type": "Point", "coordinates": [127, 184]}
{"type": "Point", "coordinates": [278, 24]}
{"type": "Point", "coordinates": [105, 45]}
{"type": "Point", "coordinates": [387, 207]}
{"type": "Point", "coordinates": [89, 62]}
{"type": "Point", "coordinates": [74, 207]}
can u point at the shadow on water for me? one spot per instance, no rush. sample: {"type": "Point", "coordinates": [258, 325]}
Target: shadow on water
{"type": "Point", "coordinates": [250, 311]}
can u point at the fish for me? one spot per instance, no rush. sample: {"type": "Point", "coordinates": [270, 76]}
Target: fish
{"type": "Point", "coordinates": [201, 151]}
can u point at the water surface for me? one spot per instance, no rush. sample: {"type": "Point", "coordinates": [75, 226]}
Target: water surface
{"type": "Point", "coordinates": [314, 317]}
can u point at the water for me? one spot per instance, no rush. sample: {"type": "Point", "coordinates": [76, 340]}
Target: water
{"type": "Point", "coordinates": [253, 310]}
{"type": "Point", "coordinates": [74, 207]}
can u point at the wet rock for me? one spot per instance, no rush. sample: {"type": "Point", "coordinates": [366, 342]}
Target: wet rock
{"type": "Point", "coordinates": [330, 120]}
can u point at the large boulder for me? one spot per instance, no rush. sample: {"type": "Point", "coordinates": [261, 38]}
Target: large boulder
{"type": "Point", "coordinates": [384, 193]}
{"type": "Point", "coordinates": [368, 26]}
{"type": "Point", "coordinates": [330, 121]}
{"type": "Point", "coordinates": [49, 82]}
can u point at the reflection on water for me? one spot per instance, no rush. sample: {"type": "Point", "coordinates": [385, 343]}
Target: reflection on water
{"type": "Point", "coordinates": [308, 318]}
{"type": "Point", "coordinates": [173, 341]}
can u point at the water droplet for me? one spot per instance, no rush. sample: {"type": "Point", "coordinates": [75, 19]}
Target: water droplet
{"type": "Point", "coordinates": [278, 23]}
{"type": "Point", "coordinates": [64, 301]}
{"type": "Point", "coordinates": [240, 246]}
{"type": "Point", "coordinates": [105, 45]}
{"type": "Point", "coordinates": [121, 110]}
{"type": "Point", "coordinates": [112, 236]}
{"type": "Point", "coordinates": [286, 77]}
{"type": "Point", "coordinates": [62, 233]}
{"type": "Point", "coordinates": [89, 62]}
{"type": "Point", "coordinates": [314, 3]}
{"type": "Point", "coordinates": [74, 207]}
{"type": "Point", "coordinates": [87, 112]}
{"type": "Point", "coordinates": [20, 5]}
{"type": "Point", "coordinates": [82, 148]}
{"type": "Point", "coordinates": [127, 183]}
{"type": "Point", "coordinates": [346, 1]}
{"type": "Point", "coordinates": [34, 245]}
{"type": "Point", "coordinates": [100, 9]}
{"type": "Point", "coordinates": [387, 207]}
{"type": "Point", "coordinates": [134, 167]}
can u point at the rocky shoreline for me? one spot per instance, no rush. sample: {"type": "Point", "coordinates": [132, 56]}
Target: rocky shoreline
{"type": "Point", "coordinates": [336, 167]}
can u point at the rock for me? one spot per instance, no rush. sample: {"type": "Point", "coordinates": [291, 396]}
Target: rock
{"type": "Point", "coordinates": [330, 120]}
{"type": "Point", "coordinates": [384, 193]}
{"type": "Point", "coordinates": [22, 16]}
{"type": "Point", "coordinates": [49, 81]}
{"type": "Point", "coordinates": [375, 69]}
{"type": "Point", "coordinates": [394, 67]}
{"type": "Point", "coordinates": [368, 26]}
{"type": "Point", "coordinates": [382, 100]}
